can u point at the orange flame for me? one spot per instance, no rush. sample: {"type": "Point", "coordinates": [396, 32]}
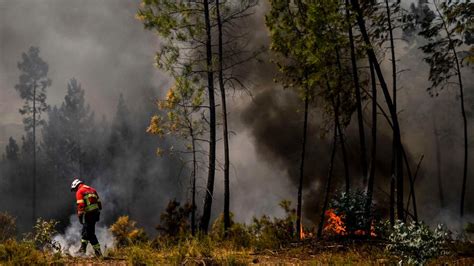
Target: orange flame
{"type": "Point", "coordinates": [334, 224]}
{"type": "Point", "coordinates": [363, 232]}
{"type": "Point", "coordinates": [302, 234]}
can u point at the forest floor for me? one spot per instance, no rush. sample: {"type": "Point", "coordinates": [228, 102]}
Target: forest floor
{"type": "Point", "coordinates": [308, 253]}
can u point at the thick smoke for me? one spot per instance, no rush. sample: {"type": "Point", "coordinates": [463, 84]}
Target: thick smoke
{"type": "Point", "coordinates": [108, 51]}
{"type": "Point", "coordinates": [431, 127]}
{"type": "Point", "coordinates": [102, 45]}
{"type": "Point", "coordinates": [70, 241]}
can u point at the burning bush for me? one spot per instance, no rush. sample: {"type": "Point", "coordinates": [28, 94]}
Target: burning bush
{"type": "Point", "coordinates": [7, 227]}
{"type": "Point", "coordinates": [126, 232]}
{"type": "Point", "coordinates": [347, 216]}
{"type": "Point", "coordinates": [416, 242]}
{"type": "Point", "coordinates": [274, 233]}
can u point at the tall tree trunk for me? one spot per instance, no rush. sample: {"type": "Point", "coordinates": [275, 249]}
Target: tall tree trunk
{"type": "Point", "coordinates": [392, 200]}
{"type": "Point", "coordinates": [466, 145]}
{"type": "Point", "coordinates": [393, 113]}
{"type": "Point", "coordinates": [344, 153]}
{"type": "Point", "coordinates": [393, 59]}
{"type": "Point", "coordinates": [339, 129]}
{"type": "Point", "coordinates": [412, 185]}
{"type": "Point", "coordinates": [328, 183]}
{"type": "Point", "coordinates": [303, 151]}
{"type": "Point", "coordinates": [193, 197]}
{"type": "Point", "coordinates": [206, 216]}
{"type": "Point", "coordinates": [438, 165]}
{"type": "Point", "coordinates": [463, 110]}
{"type": "Point", "coordinates": [226, 134]}
{"type": "Point", "coordinates": [370, 184]}
{"type": "Point", "coordinates": [397, 150]}
{"type": "Point", "coordinates": [363, 148]}
{"type": "Point", "coordinates": [34, 152]}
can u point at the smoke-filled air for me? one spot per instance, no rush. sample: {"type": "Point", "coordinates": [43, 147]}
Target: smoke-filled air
{"type": "Point", "coordinates": [152, 132]}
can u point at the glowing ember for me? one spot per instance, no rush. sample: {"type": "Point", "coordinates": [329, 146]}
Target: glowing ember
{"type": "Point", "coordinates": [363, 232]}
{"type": "Point", "coordinates": [334, 223]}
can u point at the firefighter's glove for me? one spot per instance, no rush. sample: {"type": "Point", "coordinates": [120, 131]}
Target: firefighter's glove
{"type": "Point", "coordinates": [81, 218]}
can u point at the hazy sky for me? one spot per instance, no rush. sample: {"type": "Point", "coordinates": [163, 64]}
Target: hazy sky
{"type": "Point", "coordinates": [97, 41]}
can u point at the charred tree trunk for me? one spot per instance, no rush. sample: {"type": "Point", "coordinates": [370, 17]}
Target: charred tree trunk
{"type": "Point", "coordinates": [370, 183]}
{"type": "Point", "coordinates": [34, 153]}
{"type": "Point", "coordinates": [412, 185]}
{"type": "Point", "coordinates": [393, 59]}
{"type": "Point", "coordinates": [438, 165]}
{"type": "Point", "coordinates": [206, 216]}
{"type": "Point", "coordinates": [393, 114]}
{"type": "Point", "coordinates": [396, 146]}
{"type": "Point", "coordinates": [392, 200]}
{"type": "Point", "coordinates": [193, 197]}
{"type": "Point", "coordinates": [344, 153]}
{"type": "Point", "coordinates": [328, 183]}
{"type": "Point", "coordinates": [363, 148]}
{"type": "Point", "coordinates": [339, 129]}
{"type": "Point", "coordinates": [303, 156]}
{"type": "Point", "coordinates": [225, 129]}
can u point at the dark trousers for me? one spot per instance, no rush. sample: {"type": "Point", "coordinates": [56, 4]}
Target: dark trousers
{"type": "Point", "coordinates": [88, 227]}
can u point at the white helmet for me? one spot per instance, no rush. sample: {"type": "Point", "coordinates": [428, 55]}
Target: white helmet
{"type": "Point", "coordinates": [75, 183]}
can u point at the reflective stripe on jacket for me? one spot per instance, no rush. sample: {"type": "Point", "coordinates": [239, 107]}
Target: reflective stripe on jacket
{"type": "Point", "coordinates": [87, 199]}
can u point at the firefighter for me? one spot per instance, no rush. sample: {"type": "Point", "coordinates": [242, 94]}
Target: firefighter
{"type": "Point", "coordinates": [88, 212]}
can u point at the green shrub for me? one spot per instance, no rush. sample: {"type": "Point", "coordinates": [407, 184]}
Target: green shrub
{"type": "Point", "coordinates": [276, 233]}
{"type": "Point", "coordinates": [126, 232]}
{"type": "Point", "coordinates": [470, 228]}
{"type": "Point", "coordinates": [197, 248]}
{"type": "Point", "coordinates": [238, 234]}
{"type": "Point", "coordinates": [43, 232]}
{"type": "Point", "coordinates": [21, 253]}
{"type": "Point", "coordinates": [7, 227]}
{"type": "Point", "coordinates": [417, 243]}
{"type": "Point", "coordinates": [141, 255]}
{"type": "Point", "coordinates": [351, 208]}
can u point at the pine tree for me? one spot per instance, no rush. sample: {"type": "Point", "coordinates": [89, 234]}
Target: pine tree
{"type": "Point", "coordinates": [32, 85]}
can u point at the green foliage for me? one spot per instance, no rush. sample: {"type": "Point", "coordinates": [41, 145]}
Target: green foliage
{"type": "Point", "coordinates": [43, 232]}
{"type": "Point", "coordinates": [198, 248]}
{"type": "Point", "coordinates": [276, 233]}
{"type": "Point", "coordinates": [417, 243]}
{"type": "Point", "coordinates": [309, 38]}
{"type": "Point", "coordinates": [181, 28]}
{"type": "Point", "coordinates": [31, 86]}
{"type": "Point", "coordinates": [470, 228]}
{"type": "Point", "coordinates": [447, 33]}
{"type": "Point", "coordinates": [141, 255]}
{"type": "Point", "coordinates": [7, 227]}
{"type": "Point", "coordinates": [21, 253]}
{"type": "Point", "coordinates": [238, 235]}
{"type": "Point", "coordinates": [126, 232]}
{"type": "Point", "coordinates": [351, 207]}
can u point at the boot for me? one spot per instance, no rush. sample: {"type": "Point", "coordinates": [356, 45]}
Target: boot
{"type": "Point", "coordinates": [97, 251]}
{"type": "Point", "coordinates": [82, 249]}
